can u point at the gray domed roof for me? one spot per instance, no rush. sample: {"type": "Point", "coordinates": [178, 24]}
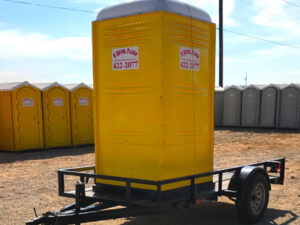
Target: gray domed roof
{"type": "Point", "coordinates": [147, 6]}
{"type": "Point", "coordinates": [75, 86]}
{"type": "Point", "coordinates": [13, 86]}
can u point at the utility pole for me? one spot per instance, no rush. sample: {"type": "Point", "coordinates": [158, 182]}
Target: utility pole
{"type": "Point", "coordinates": [221, 43]}
{"type": "Point", "coordinates": [246, 78]}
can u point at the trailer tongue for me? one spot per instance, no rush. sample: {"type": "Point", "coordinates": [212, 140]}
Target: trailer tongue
{"type": "Point", "coordinates": [246, 185]}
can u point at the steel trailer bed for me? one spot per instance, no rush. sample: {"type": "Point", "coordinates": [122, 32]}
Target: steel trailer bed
{"type": "Point", "coordinates": [94, 204]}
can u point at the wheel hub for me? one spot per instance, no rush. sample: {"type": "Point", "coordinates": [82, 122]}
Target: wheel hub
{"type": "Point", "coordinates": [258, 198]}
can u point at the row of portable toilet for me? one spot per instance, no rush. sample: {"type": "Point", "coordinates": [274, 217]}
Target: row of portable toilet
{"type": "Point", "coordinates": [267, 106]}
{"type": "Point", "coordinates": [48, 115]}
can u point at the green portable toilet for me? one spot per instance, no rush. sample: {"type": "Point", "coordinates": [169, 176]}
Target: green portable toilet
{"type": "Point", "coordinates": [232, 106]}
{"type": "Point", "coordinates": [251, 106]}
{"type": "Point", "coordinates": [289, 103]}
{"type": "Point", "coordinates": [219, 106]}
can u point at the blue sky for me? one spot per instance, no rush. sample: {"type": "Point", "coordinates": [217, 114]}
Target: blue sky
{"type": "Point", "coordinates": [44, 45]}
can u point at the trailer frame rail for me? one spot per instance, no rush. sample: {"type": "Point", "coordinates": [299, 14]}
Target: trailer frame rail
{"type": "Point", "coordinates": [84, 178]}
{"type": "Point", "coordinates": [88, 208]}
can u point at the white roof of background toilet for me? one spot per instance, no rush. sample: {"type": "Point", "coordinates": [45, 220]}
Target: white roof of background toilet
{"type": "Point", "coordinates": [12, 86]}
{"type": "Point", "coordinates": [74, 86]}
{"type": "Point", "coordinates": [147, 6]}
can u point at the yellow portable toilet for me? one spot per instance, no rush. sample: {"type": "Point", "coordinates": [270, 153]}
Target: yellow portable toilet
{"type": "Point", "coordinates": [81, 104]}
{"type": "Point", "coordinates": [21, 124]}
{"type": "Point", "coordinates": [56, 110]}
{"type": "Point", "coordinates": [154, 68]}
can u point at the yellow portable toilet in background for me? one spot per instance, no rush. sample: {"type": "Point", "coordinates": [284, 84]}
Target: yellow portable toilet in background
{"type": "Point", "coordinates": [154, 69]}
{"type": "Point", "coordinates": [81, 104]}
{"type": "Point", "coordinates": [21, 124]}
{"type": "Point", "coordinates": [56, 110]}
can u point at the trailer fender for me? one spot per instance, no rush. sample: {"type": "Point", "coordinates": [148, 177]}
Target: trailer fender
{"type": "Point", "coordinates": [242, 177]}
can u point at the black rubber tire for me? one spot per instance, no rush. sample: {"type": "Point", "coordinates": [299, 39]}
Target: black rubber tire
{"type": "Point", "coordinates": [256, 190]}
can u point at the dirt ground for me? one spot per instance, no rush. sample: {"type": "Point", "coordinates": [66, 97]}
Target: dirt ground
{"type": "Point", "coordinates": [29, 180]}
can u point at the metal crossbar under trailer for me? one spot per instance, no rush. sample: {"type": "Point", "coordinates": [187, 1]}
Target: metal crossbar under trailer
{"type": "Point", "coordinates": [247, 185]}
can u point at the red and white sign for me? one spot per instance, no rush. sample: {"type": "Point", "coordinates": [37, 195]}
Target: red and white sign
{"type": "Point", "coordinates": [189, 59]}
{"type": "Point", "coordinates": [125, 58]}
{"type": "Point", "coordinates": [27, 102]}
{"type": "Point", "coordinates": [58, 102]}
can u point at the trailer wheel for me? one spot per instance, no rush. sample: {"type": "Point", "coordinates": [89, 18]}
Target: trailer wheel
{"type": "Point", "coordinates": [253, 199]}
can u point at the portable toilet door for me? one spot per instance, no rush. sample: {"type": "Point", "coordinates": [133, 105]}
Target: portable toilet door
{"type": "Point", "coordinates": [21, 117]}
{"type": "Point", "coordinates": [268, 106]}
{"type": "Point", "coordinates": [6, 121]}
{"type": "Point", "coordinates": [289, 112]}
{"type": "Point", "coordinates": [219, 106]}
{"type": "Point", "coordinates": [232, 106]}
{"type": "Point", "coordinates": [251, 106]}
{"type": "Point", "coordinates": [81, 104]}
{"type": "Point", "coordinates": [56, 108]}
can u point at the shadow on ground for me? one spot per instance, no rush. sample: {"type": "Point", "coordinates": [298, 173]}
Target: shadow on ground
{"type": "Point", "coordinates": [258, 130]}
{"type": "Point", "coordinates": [10, 157]}
{"type": "Point", "coordinates": [212, 213]}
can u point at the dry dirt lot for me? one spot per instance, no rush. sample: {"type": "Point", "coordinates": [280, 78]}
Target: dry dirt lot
{"type": "Point", "coordinates": [29, 180]}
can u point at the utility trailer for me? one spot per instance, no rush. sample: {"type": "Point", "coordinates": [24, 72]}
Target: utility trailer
{"type": "Point", "coordinates": [154, 69]}
{"type": "Point", "coordinates": [248, 186]}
